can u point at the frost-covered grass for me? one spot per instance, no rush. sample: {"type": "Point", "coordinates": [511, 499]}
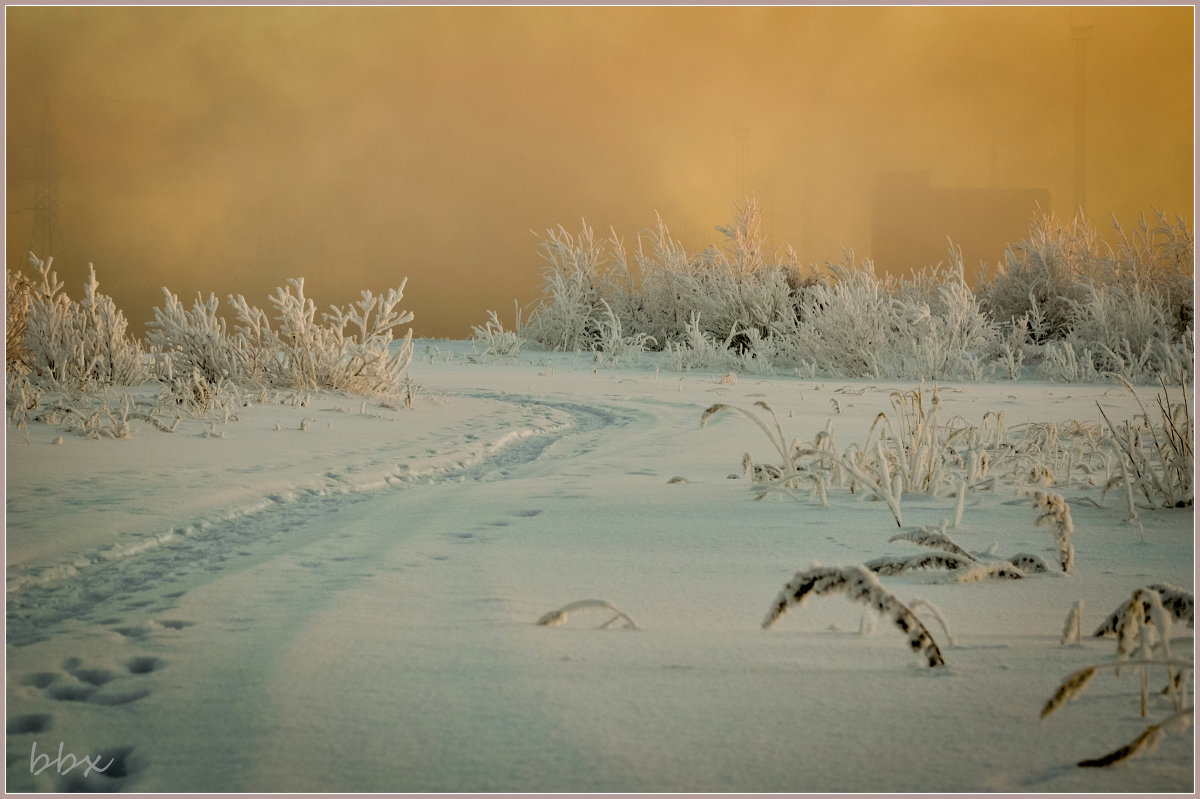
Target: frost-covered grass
{"type": "Point", "coordinates": [1062, 305]}
{"type": "Point", "coordinates": [354, 586]}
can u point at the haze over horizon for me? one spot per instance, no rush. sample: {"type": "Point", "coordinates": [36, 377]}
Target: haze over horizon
{"type": "Point", "coordinates": [225, 149]}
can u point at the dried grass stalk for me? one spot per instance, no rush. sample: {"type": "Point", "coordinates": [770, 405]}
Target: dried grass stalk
{"type": "Point", "coordinates": [934, 560]}
{"type": "Point", "coordinates": [934, 539]}
{"type": "Point", "coordinates": [1074, 684]}
{"type": "Point", "coordinates": [1147, 740]}
{"type": "Point", "coordinates": [1029, 564]}
{"type": "Point", "coordinates": [558, 617]}
{"type": "Point", "coordinates": [1001, 570]}
{"type": "Point", "coordinates": [860, 585]}
{"type": "Point", "coordinates": [919, 604]}
{"type": "Point", "coordinates": [1056, 513]}
{"type": "Point", "coordinates": [1181, 604]}
{"type": "Point", "coordinates": [1070, 688]}
{"type": "Point", "coordinates": [1072, 629]}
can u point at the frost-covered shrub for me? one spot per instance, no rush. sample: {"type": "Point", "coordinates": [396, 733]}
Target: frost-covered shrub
{"type": "Point", "coordinates": [579, 274]}
{"type": "Point", "coordinates": [78, 345]}
{"type": "Point", "coordinates": [1062, 364]}
{"type": "Point", "coordinates": [1041, 276]}
{"type": "Point", "coordinates": [949, 327]}
{"type": "Point", "coordinates": [1127, 330]}
{"type": "Point", "coordinates": [493, 340]}
{"type": "Point", "coordinates": [612, 345]}
{"type": "Point", "coordinates": [195, 342]}
{"type": "Point", "coordinates": [1063, 301]}
{"type": "Point", "coordinates": [1093, 308]}
{"type": "Point", "coordinates": [196, 396]}
{"type": "Point", "coordinates": [848, 324]}
{"type": "Point", "coordinates": [18, 289]}
{"type": "Point", "coordinates": [731, 294]}
{"type": "Point", "coordinates": [350, 349]}
{"type": "Point", "coordinates": [1159, 259]}
{"type": "Point", "coordinates": [303, 354]}
{"type": "Point", "coordinates": [860, 324]}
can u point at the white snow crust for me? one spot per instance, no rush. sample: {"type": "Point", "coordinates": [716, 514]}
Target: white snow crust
{"type": "Point", "coordinates": [353, 607]}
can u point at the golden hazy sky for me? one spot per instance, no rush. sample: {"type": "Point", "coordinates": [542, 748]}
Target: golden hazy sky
{"type": "Point", "coordinates": [224, 149]}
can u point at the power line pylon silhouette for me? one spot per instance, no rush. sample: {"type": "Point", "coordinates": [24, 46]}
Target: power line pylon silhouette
{"type": "Point", "coordinates": [44, 236]}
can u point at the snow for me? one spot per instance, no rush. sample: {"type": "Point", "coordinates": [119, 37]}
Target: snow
{"type": "Point", "coordinates": [353, 606]}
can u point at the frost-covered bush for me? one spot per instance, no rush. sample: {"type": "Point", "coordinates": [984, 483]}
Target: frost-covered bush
{"type": "Point", "coordinates": [612, 345]}
{"type": "Point", "coordinates": [1093, 308]}
{"type": "Point", "coordinates": [1063, 303]}
{"type": "Point", "coordinates": [733, 291]}
{"type": "Point", "coordinates": [1042, 275]}
{"type": "Point", "coordinates": [863, 325]}
{"type": "Point", "coordinates": [78, 345]}
{"type": "Point", "coordinates": [729, 294]}
{"type": "Point", "coordinates": [493, 340]}
{"type": "Point", "coordinates": [350, 349]}
{"type": "Point", "coordinates": [1159, 259]}
{"type": "Point", "coordinates": [847, 322]}
{"type": "Point", "coordinates": [579, 274]}
{"type": "Point", "coordinates": [1127, 330]}
{"type": "Point", "coordinates": [195, 343]}
{"type": "Point", "coordinates": [18, 289]}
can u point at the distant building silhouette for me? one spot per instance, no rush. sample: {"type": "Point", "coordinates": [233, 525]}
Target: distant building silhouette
{"type": "Point", "coordinates": [911, 220]}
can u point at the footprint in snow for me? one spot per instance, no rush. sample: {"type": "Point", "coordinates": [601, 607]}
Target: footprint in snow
{"type": "Point", "coordinates": [118, 764]}
{"type": "Point", "coordinates": [96, 686]}
{"type": "Point", "coordinates": [28, 724]}
{"type": "Point", "coordinates": [145, 664]}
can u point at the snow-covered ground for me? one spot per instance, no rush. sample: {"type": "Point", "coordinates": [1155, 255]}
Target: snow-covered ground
{"type": "Point", "coordinates": [343, 596]}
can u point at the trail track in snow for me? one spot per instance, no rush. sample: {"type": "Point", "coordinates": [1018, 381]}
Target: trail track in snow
{"type": "Point", "coordinates": [381, 640]}
{"type": "Point", "coordinates": [105, 586]}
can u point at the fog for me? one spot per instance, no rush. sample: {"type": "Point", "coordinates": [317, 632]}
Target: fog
{"type": "Point", "coordinates": [226, 149]}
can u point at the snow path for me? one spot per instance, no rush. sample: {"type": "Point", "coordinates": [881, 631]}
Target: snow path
{"type": "Point", "coordinates": [376, 632]}
{"type": "Point", "coordinates": [138, 574]}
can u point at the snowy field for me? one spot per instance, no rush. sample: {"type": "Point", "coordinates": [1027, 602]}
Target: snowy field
{"type": "Point", "coordinates": [343, 596]}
